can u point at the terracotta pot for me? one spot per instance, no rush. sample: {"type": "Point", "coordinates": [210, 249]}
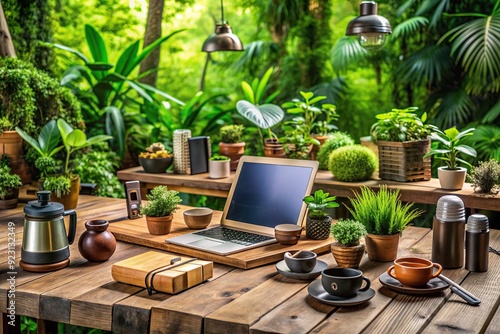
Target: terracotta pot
{"type": "Point", "coordinates": [10, 202]}
{"type": "Point", "coordinates": [232, 150]}
{"type": "Point", "coordinates": [383, 248]}
{"type": "Point", "coordinates": [218, 169]}
{"type": "Point", "coordinates": [452, 179]}
{"type": "Point", "coordinates": [315, 148]}
{"type": "Point", "coordinates": [69, 201]}
{"type": "Point", "coordinates": [273, 148]}
{"type": "Point", "coordinates": [97, 243]}
{"type": "Point", "coordinates": [347, 256]}
{"type": "Point", "coordinates": [318, 229]}
{"type": "Point", "coordinates": [159, 225]}
{"type": "Point", "coordinates": [11, 144]}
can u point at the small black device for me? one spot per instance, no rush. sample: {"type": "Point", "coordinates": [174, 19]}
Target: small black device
{"type": "Point", "coordinates": [133, 195]}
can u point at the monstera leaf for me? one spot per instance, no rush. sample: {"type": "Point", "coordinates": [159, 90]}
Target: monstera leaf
{"type": "Point", "coordinates": [264, 116]}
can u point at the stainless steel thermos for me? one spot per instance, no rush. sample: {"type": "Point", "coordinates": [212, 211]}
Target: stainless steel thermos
{"type": "Point", "coordinates": [477, 239]}
{"type": "Point", "coordinates": [448, 232]}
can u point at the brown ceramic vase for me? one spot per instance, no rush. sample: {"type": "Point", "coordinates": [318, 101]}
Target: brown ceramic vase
{"type": "Point", "coordinates": [159, 225]}
{"type": "Point", "coordinates": [234, 151]}
{"type": "Point", "coordinates": [383, 248]}
{"type": "Point", "coordinates": [97, 244]}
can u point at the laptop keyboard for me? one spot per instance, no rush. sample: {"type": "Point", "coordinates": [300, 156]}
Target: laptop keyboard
{"type": "Point", "coordinates": [238, 237]}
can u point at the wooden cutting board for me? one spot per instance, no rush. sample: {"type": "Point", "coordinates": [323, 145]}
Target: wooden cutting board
{"type": "Point", "coordinates": [176, 278]}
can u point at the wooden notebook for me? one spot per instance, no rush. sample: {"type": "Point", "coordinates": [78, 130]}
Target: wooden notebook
{"type": "Point", "coordinates": [156, 271]}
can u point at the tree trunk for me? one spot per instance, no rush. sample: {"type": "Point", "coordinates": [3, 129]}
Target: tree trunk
{"type": "Point", "coordinates": [6, 46]}
{"type": "Point", "coordinates": [153, 32]}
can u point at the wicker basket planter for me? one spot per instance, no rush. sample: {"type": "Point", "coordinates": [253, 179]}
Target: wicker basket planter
{"type": "Point", "coordinates": [404, 161]}
{"type": "Point", "coordinates": [347, 256]}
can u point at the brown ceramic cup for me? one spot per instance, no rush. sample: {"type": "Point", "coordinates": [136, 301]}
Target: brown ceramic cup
{"type": "Point", "coordinates": [414, 271]}
{"type": "Point", "coordinates": [344, 282]}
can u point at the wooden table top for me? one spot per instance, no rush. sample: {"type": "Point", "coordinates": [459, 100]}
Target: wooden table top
{"type": "Point", "coordinates": [424, 192]}
{"type": "Point", "coordinates": [256, 300]}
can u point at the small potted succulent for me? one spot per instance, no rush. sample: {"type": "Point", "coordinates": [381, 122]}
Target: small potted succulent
{"type": "Point", "coordinates": [347, 250]}
{"type": "Point", "coordinates": [219, 167]}
{"type": "Point", "coordinates": [318, 221]}
{"type": "Point", "coordinates": [450, 147]}
{"type": "Point", "coordinates": [485, 177]}
{"type": "Point", "coordinates": [384, 217]}
{"type": "Point", "coordinates": [231, 144]}
{"type": "Point", "coordinates": [155, 159]}
{"type": "Point", "coordinates": [352, 163]}
{"type": "Point", "coordinates": [159, 209]}
{"type": "Point", "coordinates": [9, 185]}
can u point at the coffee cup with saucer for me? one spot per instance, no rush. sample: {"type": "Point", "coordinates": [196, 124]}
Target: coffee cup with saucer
{"type": "Point", "coordinates": [414, 272]}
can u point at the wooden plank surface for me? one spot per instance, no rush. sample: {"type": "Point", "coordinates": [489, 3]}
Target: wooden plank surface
{"type": "Point", "coordinates": [425, 192]}
{"type": "Point", "coordinates": [135, 231]}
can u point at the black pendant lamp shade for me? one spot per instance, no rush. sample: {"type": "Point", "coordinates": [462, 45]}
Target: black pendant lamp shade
{"type": "Point", "coordinates": [371, 28]}
{"type": "Point", "coordinates": [223, 39]}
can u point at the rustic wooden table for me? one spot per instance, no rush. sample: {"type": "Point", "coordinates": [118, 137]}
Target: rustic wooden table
{"type": "Point", "coordinates": [425, 192]}
{"type": "Point", "coordinates": [235, 300]}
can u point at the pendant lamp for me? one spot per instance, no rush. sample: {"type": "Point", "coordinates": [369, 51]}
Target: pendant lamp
{"type": "Point", "coordinates": [223, 39]}
{"type": "Point", "coordinates": [371, 28]}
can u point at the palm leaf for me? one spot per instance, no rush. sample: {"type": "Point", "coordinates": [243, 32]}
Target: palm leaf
{"type": "Point", "coordinates": [409, 27]}
{"type": "Point", "coordinates": [452, 107]}
{"type": "Point", "coordinates": [345, 52]}
{"type": "Point", "coordinates": [476, 45]}
{"type": "Point", "coordinates": [492, 114]}
{"type": "Point", "coordinates": [486, 140]}
{"type": "Point", "coordinates": [438, 7]}
{"type": "Point", "coordinates": [405, 6]}
{"type": "Point", "coordinates": [428, 65]}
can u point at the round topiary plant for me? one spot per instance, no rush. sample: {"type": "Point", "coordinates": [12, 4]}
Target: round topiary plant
{"type": "Point", "coordinates": [352, 163]}
{"type": "Point", "coordinates": [336, 140]}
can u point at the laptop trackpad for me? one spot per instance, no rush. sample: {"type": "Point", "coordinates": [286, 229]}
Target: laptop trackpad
{"type": "Point", "coordinates": [205, 243]}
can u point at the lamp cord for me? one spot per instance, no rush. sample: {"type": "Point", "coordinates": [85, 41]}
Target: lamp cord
{"type": "Point", "coordinates": [222, 10]}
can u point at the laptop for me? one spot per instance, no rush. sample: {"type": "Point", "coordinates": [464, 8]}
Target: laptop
{"type": "Point", "coordinates": [265, 192]}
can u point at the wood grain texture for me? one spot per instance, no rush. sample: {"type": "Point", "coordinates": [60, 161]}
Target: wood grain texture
{"type": "Point", "coordinates": [494, 325]}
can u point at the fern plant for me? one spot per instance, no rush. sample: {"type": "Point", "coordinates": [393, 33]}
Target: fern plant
{"type": "Point", "coordinates": [382, 212]}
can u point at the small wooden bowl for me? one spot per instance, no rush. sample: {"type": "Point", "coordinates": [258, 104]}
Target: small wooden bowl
{"type": "Point", "coordinates": [287, 234]}
{"type": "Point", "coordinates": [198, 218]}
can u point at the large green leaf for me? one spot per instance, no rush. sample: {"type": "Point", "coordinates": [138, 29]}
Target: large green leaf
{"type": "Point", "coordinates": [125, 62]}
{"type": "Point", "coordinates": [116, 126]}
{"type": "Point", "coordinates": [264, 116]}
{"type": "Point", "coordinates": [30, 140]}
{"type": "Point", "coordinates": [73, 51]}
{"type": "Point", "coordinates": [96, 44]}
{"type": "Point", "coordinates": [263, 84]}
{"type": "Point", "coordinates": [49, 137]}
{"type": "Point", "coordinates": [76, 138]}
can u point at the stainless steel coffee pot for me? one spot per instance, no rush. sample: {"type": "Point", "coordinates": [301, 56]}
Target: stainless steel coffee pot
{"type": "Point", "coordinates": [44, 239]}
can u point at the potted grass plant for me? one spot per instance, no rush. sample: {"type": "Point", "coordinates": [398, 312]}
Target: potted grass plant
{"type": "Point", "coordinates": [318, 221]}
{"type": "Point", "coordinates": [450, 148]}
{"type": "Point", "coordinates": [384, 217]}
{"type": "Point", "coordinates": [231, 144]}
{"type": "Point", "coordinates": [347, 250]}
{"type": "Point", "coordinates": [159, 209]}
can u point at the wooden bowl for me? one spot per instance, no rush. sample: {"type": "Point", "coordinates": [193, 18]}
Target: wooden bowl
{"type": "Point", "coordinates": [198, 218]}
{"type": "Point", "coordinates": [287, 234]}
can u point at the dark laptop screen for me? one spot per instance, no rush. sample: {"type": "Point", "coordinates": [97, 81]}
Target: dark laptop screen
{"type": "Point", "coordinates": [269, 194]}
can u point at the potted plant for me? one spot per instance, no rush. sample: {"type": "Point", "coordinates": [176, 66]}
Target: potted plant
{"type": "Point", "coordinates": [485, 177]}
{"type": "Point", "coordinates": [347, 250]}
{"type": "Point", "coordinates": [231, 144]}
{"type": "Point", "coordinates": [452, 176]}
{"type": "Point", "coordinates": [54, 161]}
{"type": "Point", "coordinates": [261, 112]}
{"type": "Point", "coordinates": [159, 209]}
{"type": "Point", "coordinates": [318, 221]}
{"type": "Point", "coordinates": [336, 140]}
{"type": "Point", "coordinates": [384, 217]}
{"type": "Point", "coordinates": [9, 185]}
{"type": "Point", "coordinates": [306, 121]}
{"type": "Point", "coordinates": [352, 163]}
{"type": "Point", "coordinates": [29, 98]}
{"type": "Point", "coordinates": [156, 159]}
{"type": "Point", "coordinates": [296, 146]}
{"type": "Point", "coordinates": [219, 167]}
{"type": "Point", "coordinates": [403, 140]}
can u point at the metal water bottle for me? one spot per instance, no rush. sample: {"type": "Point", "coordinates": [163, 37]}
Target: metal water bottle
{"type": "Point", "coordinates": [477, 239]}
{"type": "Point", "coordinates": [448, 235]}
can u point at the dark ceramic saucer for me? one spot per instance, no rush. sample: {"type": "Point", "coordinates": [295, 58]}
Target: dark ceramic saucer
{"type": "Point", "coordinates": [433, 286]}
{"type": "Point", "coordinates": [316, 291]}
{"type": "Point", "coordinates": [285, 271]}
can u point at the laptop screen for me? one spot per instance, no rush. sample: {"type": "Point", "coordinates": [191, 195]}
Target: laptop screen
{"type": "Point", "coordinates": [268, 192]}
